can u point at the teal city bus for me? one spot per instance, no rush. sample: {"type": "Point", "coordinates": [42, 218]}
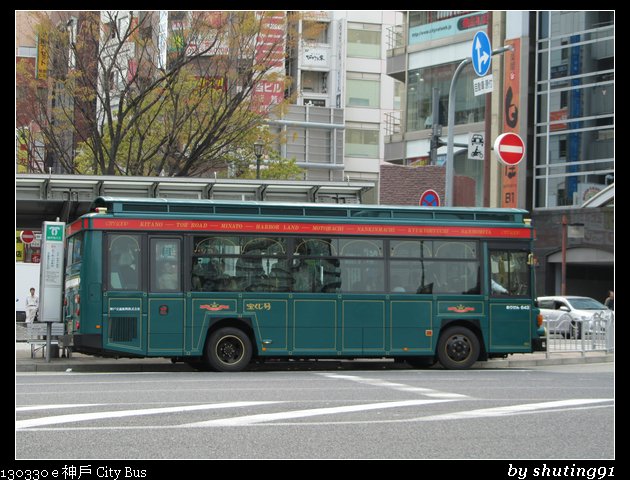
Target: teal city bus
{"type": "Point", "coordinates": [218, 284]}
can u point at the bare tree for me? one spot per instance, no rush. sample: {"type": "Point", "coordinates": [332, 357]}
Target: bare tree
{"type": "Point", "coordinates": [155, 93]}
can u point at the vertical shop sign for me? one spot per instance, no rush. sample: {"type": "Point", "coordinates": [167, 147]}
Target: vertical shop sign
{"type": "Point", "coordinates": [511, 121]}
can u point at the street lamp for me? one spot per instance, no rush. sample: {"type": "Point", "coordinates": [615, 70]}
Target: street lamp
{"type": "Point", "coordinates": [450, 166]}
{"type": "Point", "coordinates": [258, 151]}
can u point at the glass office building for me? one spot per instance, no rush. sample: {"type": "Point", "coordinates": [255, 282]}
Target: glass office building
{"type": "Point", "coordinates": [574, 107]}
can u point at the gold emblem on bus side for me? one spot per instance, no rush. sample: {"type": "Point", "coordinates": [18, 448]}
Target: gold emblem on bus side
{"type": "Point", "coordinates": [461, 309]}
{"type": "Point", "coordinates": [215, 307]}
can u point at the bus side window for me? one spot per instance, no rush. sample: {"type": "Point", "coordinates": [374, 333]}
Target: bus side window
{"type": "Point", "coordinates": [123, 262]}
{"type": "Point", "coordinates": [509, 273]}
{"type": "Point", "coordinates": [165, 261]}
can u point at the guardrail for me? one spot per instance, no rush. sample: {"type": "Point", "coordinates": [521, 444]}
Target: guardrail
{"type": "Point", "coordinates": [570, 334]}
{"type": "Point", "coordinates": [36, 336]}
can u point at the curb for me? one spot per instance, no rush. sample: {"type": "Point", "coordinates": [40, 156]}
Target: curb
{"type": "Point", "coordinates": [97, 365]}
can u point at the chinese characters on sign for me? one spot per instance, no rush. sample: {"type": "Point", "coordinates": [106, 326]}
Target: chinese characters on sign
{"type": "Point", "coordinates": [483, 85]}
{"type": "Point", "coordinates": [258, 306]}
{"type": "Point", "coordinates": [511, 92]}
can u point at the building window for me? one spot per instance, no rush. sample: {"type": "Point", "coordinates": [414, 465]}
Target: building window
{"type": "Point", "coordinates": [362, 143]}
{"type": "Point", "coordinates": [365, 43]}
{"type": "Point", "coordinates": [574, 148]}
{"type": "Point", "coordinates": [398, 90]}
{"type": "Point", "coordinates": [469, 108]}
{"type": "Point", "coordinates": [316, 32]}
{"type": "Point", "coordinates": [314, 82]}
{"type": "Point", "coordinates": [363, 92]}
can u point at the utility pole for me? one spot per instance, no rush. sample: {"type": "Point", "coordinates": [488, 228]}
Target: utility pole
{"type": "Point", "coordinates": [436, 127]}
{"type": "Point", "coordinates": [450, 167]}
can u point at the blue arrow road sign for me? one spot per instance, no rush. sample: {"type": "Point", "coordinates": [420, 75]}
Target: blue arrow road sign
{"type": "Point", "coordinates": [481, 53]}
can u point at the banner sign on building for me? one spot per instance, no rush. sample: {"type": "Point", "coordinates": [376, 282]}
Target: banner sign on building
{"type": "Point", "coordinates": [448, 27]}
{"type": "Point", "coordinates": [42, 56]}
{"type": "Point", "coordinates": [511, 121]}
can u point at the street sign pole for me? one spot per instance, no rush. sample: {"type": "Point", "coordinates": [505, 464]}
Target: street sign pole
{"type": "Point", "coordinates": [450, 167]}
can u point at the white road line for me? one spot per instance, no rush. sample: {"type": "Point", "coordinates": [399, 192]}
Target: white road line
{"type": "Point", "coordinates": [401, 387]}
{"type": "Point", "coordinates": [82, 417]}
{"type": "Point", "coordinates": [270, 417]}
{"type": "Point", "coordinates": [302, 424]}
{"type": "Point", "coordinates": [511, 409]}
{"type": "Point", "coordinates": [32, 408]}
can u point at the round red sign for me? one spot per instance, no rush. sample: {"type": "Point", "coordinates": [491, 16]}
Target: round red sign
{"type": "Point", "coordinates": [27, 236]}
{"type": "Point", "coordinates": [510, 148]}
{"type": "Point", "coordinates": [429, 198]}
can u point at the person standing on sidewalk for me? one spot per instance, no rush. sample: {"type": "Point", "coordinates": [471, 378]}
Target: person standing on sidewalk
{"type": "Point", "coordinates": [610, 300]}
{"type": "Point", "coordinates": [32, 304]}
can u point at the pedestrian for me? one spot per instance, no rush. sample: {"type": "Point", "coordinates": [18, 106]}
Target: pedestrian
{"type": "Point", "coordinates": [610, 300]}
{"type": "Point", "coordinates": [32, 304]}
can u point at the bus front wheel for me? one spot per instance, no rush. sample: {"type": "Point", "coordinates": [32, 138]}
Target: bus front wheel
{"type": "Point", "coordinates": [458, 348]}
{"type": "Point", "coordinates": [228, 350]}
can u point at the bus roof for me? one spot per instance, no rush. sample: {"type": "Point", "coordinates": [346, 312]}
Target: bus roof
{"type": "Point", "coordinates": [135, 206]}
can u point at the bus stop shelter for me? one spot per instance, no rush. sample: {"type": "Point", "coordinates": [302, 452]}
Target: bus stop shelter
{"type": "Point", "coordinates": [43, 197]}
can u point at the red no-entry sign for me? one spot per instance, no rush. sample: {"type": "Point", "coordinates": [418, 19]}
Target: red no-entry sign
{"type": "Point", "coordinates": [27, 236]}
{"type": "Point", "coordinates": [510, 148]}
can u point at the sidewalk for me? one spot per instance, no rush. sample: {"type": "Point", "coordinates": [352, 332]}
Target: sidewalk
{"type": "Point", "coordinates": [87, 363]}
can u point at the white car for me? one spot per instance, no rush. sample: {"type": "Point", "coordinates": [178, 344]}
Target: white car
{"type": "Point", "coordinates": [570, 316]}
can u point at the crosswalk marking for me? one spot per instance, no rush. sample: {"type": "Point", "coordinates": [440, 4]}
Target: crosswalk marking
{"type": "Point", "coordinates": [376, 382]}
{"type": "Point", "coordinates": [82, 417]}
{"type": "Point", "coordinates": [512, 409]}
{"type": "Point", "coordinates": [32, 408]}
{"type": "Point", "coordinates": [270, 417]}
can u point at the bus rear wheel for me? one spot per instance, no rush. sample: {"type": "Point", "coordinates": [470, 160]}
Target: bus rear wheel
{"type": "Point", "coordinates": [228, 350]}
{"type": "Point", "coordinates": [458, 348]}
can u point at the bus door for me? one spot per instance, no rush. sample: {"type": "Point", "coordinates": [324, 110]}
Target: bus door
{"type": "Point", "coordinates": [124, 296]}
{"type": "Point", "coordinates": [165, 298]}
{"type": "Point", "coordinates": [510, 299]}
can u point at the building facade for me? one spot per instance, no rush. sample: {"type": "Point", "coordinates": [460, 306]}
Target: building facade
{"type": "Point", "coordinates": [555, 88]}
{"type": "Point", "coordinates": [424, 53]}
{"type": "Point", "coordinates": [339, 62]}
{"type": "Point", "coordinates": [574, 156]}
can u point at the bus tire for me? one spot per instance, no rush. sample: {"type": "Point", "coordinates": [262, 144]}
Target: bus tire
{"type": "Point", "coordinates": [458, 348]}
{"type": "Point", "coordinates": [228, 349]}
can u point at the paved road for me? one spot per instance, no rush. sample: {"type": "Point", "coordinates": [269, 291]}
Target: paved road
{"type": "Point", "coordinates": [551, 412]}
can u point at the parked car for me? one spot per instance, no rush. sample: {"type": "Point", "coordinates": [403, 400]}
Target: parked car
{"type": "Point", "coordinates": [569, 316]}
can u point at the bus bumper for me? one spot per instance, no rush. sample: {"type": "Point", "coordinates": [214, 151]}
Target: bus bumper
{"type": "Point", "coordinates": [82, 342]}
{"type": "Point", "coordinates": [539, 344]}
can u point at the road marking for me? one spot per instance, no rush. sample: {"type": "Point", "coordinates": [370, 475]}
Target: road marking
{"type": "Point", "coordinates": [32, 408]}
{"type": "Point", "coordinates": [511, 409]}
{"type": "Point", "coordinates": [82, 417]}
{"type": "Point", "coordinates": [270, 417]}
{"type": "Point", "coordinates": [258, 420]}
{"type": "Point", "coordinates": [401, 387]}
{"type": "Point", "coordinates": [292, 424]}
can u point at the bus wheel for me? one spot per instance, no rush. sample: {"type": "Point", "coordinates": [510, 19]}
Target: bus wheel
{"type": "Point", "coordinates": [458, 348]}
{"type": "Point", "coordinates": [228, 350]}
